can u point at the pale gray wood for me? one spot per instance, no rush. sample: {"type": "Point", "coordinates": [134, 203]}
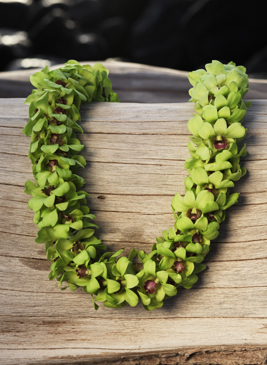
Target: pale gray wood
{"type": "Point", "coordinates": [226, 355]}
{"type": "Point", "coordinates": [135, 155]}
{"type": "Point", "coordinates": [42, 298]}
{"type": "Point", "coordinates": [112, 335]}
{"type": "Point", "coordinates": [133, 82]}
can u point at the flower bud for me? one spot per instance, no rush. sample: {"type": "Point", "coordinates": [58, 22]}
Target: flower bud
{"type": "Point", "coordinates": [150, 286]}
{"type": "Point", "coordinates": [179, 267]}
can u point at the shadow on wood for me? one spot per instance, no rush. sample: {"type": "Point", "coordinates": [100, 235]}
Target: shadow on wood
{"type": "Point", "coordinates": [135, 154]}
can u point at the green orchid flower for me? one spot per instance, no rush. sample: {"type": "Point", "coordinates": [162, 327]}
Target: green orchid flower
{"type": "Point", "coordinates": [153, 286]}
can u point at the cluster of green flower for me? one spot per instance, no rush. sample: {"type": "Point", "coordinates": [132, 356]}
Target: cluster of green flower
{"type": "Point", "coordinates": [62, 215]}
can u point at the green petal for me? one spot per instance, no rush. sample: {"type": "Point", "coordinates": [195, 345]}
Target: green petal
{"type": "Point", "coordinates": [160, 294]}
{"type": "Point", "coordinates": [203, 152]}
{"type": "Point", "coordinates": [218, 166]}
{"type": "Point", "coordinates": [210, 113]}
{"type": "Point", "coordinates": [216, 178]}
{"type": "Point", "coordinates": [175, 277]}
{"type": "Point", "coordinates": [131, 298]}
{"type": "Point", "coordinates": [232, 199]}
{"type": "Point", "coordinates": [166, 263]}
{"type": "Point", "coordinates": [221, 199]}
{"type": "Point", "coordinates": [145, 299]}
{"type": "Point", "coordinates": [42, 236]}
{"type": "Point", "coordinates": [112, 286]}
{"type": "Point", "coordinates": [194, 124]}
{"type": "Point", "coordinates": [189, 282]}
{"type": "Point", "coordinates": [215, 68]}
{"type": "Point", "coordinates": [203, 198]}
{"type": "Point", "coordinates": [206, 131]}
{"type": "Point", "coordinates": [224, 90]}
{"type": "Point", "coordinates": [178, 203]}
{"type": "Point", "coordinates": [63, 244]}
{"type": "Point", "coordinates": [199, 176]}
{"type": "Point", "coordinates": [199, 91]}
{"type": "Point", "coordinates": [62, 189]}
{"type": "Point", "coordinates": [50, 149]}
{"type": "Point", "coordinates": [122, 265]}
{"type": "Point", "coordinates": [34, 146]}
{"type": "Point", "coordinates": [189, 268]}
{"type": "Point", "coordinates": [29, 187]}
{"type": "Point", "coordinates": [184, 224]}
{"type": "Point", "coordinates": [212, 231]}
{"type": "Point", "coordinates": [96, 269]}
{"type": "Point", "coordinates": [235, 76]}
{"type": "Point", "coordinates": [204, 100]}
{"type": "Point", "coordinates": [189, 183]}
{"type": "Point", "coordinates": [202, 223]}
{"type": "Point", "coordinates": [150, 267]}
{"type": "Point", "coordinates": [101, 296]}
{"type": "Point", "coordinates": [92, 286]}
{"type": "Point", "coordinates": [162, 276]}
{"type": "Point", "coordinates": [42, 102]}
{"type": "Point", "coordinates": [209, 81]}
{"type": "Point", "coordinates": [50, 219]}
{"type": "Point", "coordinates": [62, 206]}
{"type": "Point", "coordinates": [65, 174]}
{"type": "Point", "coordinates": [36, 203]}
{"type": "Point", "coordinates": [81, 258]}
{"type": "Point", "coordinates": [220, 101]}
{"type": "Point", "coordinates": [58, 129]}
{"type": "Point", "coordinates": [37, 217]}
{"type": "Point", "coordinates": [180, 252]}
{"type": "Point", "coordinates": [194, 76]}
{"type": "Point", "coordinates": [233, 87]}
{"type": "Point", "coordinates": [131, 281]}
{"type": "Point", "coordinates": [194, 247]}
{"type": "Point", "coordinates": [233, 99]}
{"type": "Point", "coordinates": [220, 127]}
{"type": "Point", "coordinates": [53, 179]}
{"type": "Point", "coordinates": [225, 184]}
{"type": "Point", "coordinates": [223, 156]}
{"type": "Point", "coordinates": [224, 112]}
{"type": "Point", "coordinates": [49, 202]}
{"type": "Point", "coordinates": [169, 289]}
{"type": "Point", "coordinates": [61, 231]}
{"type": "Point", "coordinates": [165, 252]}
{"type": "Point", "coordinates": [189, 199]}
{"type": "Point", "coordinates": [237, 116]}
{"type": "Point", "coordinates": [220, 79]}
{"type": "Point", "coordinates": [235, 130]}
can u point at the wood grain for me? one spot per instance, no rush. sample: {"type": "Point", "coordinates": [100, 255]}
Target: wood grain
{"type": "Point", "coordinates": [134, 83]}
{"type": "Point", "coordinates": [135, 154]}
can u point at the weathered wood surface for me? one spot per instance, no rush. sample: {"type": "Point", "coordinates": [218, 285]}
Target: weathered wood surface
{"type": "Point", "coordinates": [134, 83]}
{"type": "Point", "coordinates": [135, 155]}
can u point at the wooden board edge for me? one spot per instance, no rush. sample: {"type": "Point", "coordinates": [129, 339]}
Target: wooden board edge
{"type": "Point", "coordinates": [211, 355]}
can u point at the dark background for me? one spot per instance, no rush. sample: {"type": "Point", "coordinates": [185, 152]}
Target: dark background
{"type": "Point", "coordinates": [180, 34]}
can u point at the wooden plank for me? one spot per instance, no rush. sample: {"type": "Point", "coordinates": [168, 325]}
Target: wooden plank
{"type": "Point", "coordinates": [218, 275]}
{"type": "Point", "coordinates": [130, 227]}
{"type": "Point", "coordinates": [84, 333]}
{"type": "Point", "coordinates": [145, 84]}
{"type": "Point", "coordinates": [43, 300]}
{"type": "Point", "coordinates": [135, 155]}
{"type": "Point", "coordinates": [148, 149]}
{"type": "Point", "coordinates": [226, 355]}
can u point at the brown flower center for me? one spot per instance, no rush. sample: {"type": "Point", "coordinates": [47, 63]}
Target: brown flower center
{"type": "Point", "coordinates": [220, 143]}
{"type": "Point", "coordinates": [193, 214]}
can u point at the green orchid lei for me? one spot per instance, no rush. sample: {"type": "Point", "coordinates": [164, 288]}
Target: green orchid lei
{"type": "Point", "coordinates": [61, 211]}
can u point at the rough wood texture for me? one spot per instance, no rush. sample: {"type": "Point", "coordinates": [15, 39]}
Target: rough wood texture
{"type": "Point", "coordinates": [135, 155]}
{"type": "Point", "coordinates": [134, 83]}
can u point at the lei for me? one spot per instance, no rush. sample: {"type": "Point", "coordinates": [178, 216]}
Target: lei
{"type": "Point", "coordinates": [61, 213]}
